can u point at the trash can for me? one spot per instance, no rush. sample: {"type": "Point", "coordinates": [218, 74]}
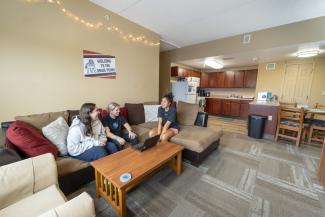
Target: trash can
{"type": "Point", "coordinates": [256, 125]}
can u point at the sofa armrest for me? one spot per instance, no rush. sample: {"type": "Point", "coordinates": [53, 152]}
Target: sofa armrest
{"type": "Point", "coordinates": [201, 119]}
{"type": "Point", "coordinates": [80, 206]}
{"type": "Point", "coordinates": [23, 178]}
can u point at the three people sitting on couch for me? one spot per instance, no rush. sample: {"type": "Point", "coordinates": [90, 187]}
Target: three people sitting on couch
{"type": "Point", "coordinates": [90, 139]}
{"type": "Point", "coordinates": [167, 119]}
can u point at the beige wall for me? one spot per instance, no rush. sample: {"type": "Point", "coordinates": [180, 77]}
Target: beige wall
{"type": "Point", "coordinates": [41, 59]}
{"type": "Point", "coordinates": [286, 35]}
{"type": "Point", "coordinates": [272, 80]}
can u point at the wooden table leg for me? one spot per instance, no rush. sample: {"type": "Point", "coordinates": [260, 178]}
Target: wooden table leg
{"type": "Point", "coordinates": [122, 203]}
{"type": "Point", "coordinates": [98, 182]}
{"type": "Point", "coordinates": [178, 163]}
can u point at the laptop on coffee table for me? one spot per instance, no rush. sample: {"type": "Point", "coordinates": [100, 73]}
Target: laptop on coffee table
{"type": "Point", "coordinates": [148, 143]}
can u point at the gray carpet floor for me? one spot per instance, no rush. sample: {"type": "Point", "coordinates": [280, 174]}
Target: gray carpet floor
{"type": "Point", "coordinates": [244, 177]}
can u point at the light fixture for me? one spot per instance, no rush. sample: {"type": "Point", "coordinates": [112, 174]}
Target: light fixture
{"type": "Point", "coordinates": [307, 53]}
{"type": "Point", "coordinates": [213, 64]}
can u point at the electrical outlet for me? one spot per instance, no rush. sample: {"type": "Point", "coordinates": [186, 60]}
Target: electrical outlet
{"type": "Point", "coordinates": [269, 117]}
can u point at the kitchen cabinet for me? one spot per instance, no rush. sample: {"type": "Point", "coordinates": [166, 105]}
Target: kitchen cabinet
{"type": "Point", "coordinates": [204, 80]}
{"type": "Point", "coordinates": [239, 79]}
{"type": "Point", "coordinates": [213, 80]}
{"type": "Point", "coordinates": [234, 108]}
{"type": "Point", "coordinates": [250, 78]}
{"type": "Point", "coordinates": [244, 108]}
{"type": "Point", "coordinates": [228, 107]}
{"type": "Point", "coordinates": [195, 74]}
{"type": "Point", "coordinates": [229, 78]}
{"type": "Point", "coordinates": [177, 71]}
{"type": "Point", "coordinates": [213, 106]}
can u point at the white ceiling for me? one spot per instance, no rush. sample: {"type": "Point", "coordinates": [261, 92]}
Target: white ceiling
{"type": "Point", "coordinates": [255, 57]}
{"type": "Point", "coordinates": [186, 22]}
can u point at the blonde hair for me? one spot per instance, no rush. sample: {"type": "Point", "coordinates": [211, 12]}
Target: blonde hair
{"type": "Point", "coordinates": [111, 106]}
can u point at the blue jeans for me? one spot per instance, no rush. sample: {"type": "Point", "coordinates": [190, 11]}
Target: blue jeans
{"type": "Point", "coordinates": [126, 137]}
{"type": "Point", "coordinates": [97, 152]}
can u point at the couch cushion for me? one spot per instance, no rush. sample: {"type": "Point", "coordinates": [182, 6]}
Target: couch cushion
{"type": "Point", "coordinates": [135, 113]}
{"type": "Point", "coordinates": [68, 165]}
{"type": "Point", "coordinates": [8, 156]}
{"type": "Point", "coordinates": [196, 138]}
{"type": "Point", "coordinates": [40, 120]}
{"type": "Point", "coordinates": [149, 125]}
{"type": "Point", "coordinates": [35, 204]}
{"type": "Point", "coordinates": [57, 133]}
{"type": "Point", "coordinates": [186, 113]}
{"type": "Point", "coordinates": [151, 112]}
{"type": "Point", "coordinates": [29, 140]}
{"type": "Point", "coordinates": [142, 132]}
{"type": "Point", "coordinates": [124, 113]}
{"type": "Point", "coordinates": [72, 115]}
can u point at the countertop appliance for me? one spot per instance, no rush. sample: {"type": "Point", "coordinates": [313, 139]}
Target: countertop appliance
{"type": "Point", "coordinates": [264, 96]}
{"type": "Point", "coordinates": [185, 89]}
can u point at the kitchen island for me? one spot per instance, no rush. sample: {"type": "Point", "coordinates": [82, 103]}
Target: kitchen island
{"type": "Point", "coordinates": [268, 109]}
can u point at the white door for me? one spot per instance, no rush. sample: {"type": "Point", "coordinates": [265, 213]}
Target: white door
{"type": "Point", "coordinates": [304, 80]}
{"type": "Point", "coordinates": [297, 83]}
{"type": "Point", "coordinates": [289, 83]}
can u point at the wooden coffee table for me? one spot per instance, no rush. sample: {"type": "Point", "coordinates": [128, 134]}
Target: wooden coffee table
{"type": "Point", "coordinates": [140, 164]}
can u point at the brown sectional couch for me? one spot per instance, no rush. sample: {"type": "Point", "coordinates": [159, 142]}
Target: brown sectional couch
{"type": "Point", "coordinates": [199, 141]}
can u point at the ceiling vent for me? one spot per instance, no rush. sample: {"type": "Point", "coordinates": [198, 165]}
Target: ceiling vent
{"type": "Point", "coordinates": [270, 66]}
{"type": "Point", "coordinates": [247, 39]}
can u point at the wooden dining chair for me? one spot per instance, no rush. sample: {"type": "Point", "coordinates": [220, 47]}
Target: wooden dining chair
{"type": "Point", "coordinates": [290, 124]}
{"type": "Point", "coordinates": [317, 126]}
{"type": "Point", "coordinates": [288, 104]}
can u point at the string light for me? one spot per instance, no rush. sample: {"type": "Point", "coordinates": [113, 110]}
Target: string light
{"type": "Point", "coordinates": [98, 25]}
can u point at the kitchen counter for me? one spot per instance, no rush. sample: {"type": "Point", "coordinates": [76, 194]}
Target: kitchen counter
{"type": "Point", "coordinates": [267, 103]}
{"type": "Point", "coordinates": [229, 98]}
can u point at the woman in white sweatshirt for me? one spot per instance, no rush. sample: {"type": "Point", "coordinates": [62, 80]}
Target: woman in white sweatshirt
{"type": "Point", "coordinates": [87, 139]}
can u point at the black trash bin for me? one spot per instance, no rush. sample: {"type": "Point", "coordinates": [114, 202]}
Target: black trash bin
{"type": "Point", "coordinates": [256, 125]}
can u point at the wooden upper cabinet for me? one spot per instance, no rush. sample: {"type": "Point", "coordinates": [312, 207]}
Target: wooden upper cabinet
{"type": "Point", "coordinates": [204, 81]}
{"type": "Point", "coordinates": [181, 72]}
{"type": "Point", "coordinates": [250, 78]}
{"type": "Point", "coordinates": [213, 79]}
{"type": "Point", "coordinates": [239, 78]}
{"type": "Point", "coordinates": [195, 74]}
{"type": "Point", "coordinates": [229, 78]}
{"type": "Point", "coordinates": [220, 79]}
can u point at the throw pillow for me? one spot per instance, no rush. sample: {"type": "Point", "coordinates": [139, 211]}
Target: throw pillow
{"type": "Point", "coordinates": [186, 113]}
{"type": "Point", "coordinates": [41, 120]}
{"type": "Point", "coordinates": [135, 113]}
{"type": "Point", "coordinates": [124, 113]}
{"type": "Point", "coordinates": [151, 112]}
{"type": "Point", "coordinates": [57, 133]}
{"type": "Point", "coordinates": [29, 140]}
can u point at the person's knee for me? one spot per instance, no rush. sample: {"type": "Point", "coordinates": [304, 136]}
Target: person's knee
{"type": "Point", "coordinates": [165, 137]}
{"type": "Point", "coordinates": [100, 152]}
{"type": "Point", "coordinates": [111, 147]}
{"type": "Point", "coordinates": [152, 132]}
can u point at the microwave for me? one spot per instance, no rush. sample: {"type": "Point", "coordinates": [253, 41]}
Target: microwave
{"type": "Point", "coordinates": [264, 96]}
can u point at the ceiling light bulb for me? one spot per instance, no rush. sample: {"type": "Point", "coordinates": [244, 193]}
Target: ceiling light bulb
{"type": "Point", "coordinates": [213, 64]}
{"type": "Point", "coordinates": [307, 53]}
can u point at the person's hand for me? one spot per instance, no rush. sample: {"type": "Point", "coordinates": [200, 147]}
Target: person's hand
{"type": "Point", "coordinates": [120, 140]}
{"type": "Point", "coordinates": [102, 142]}
{"type": "Point", "coordinates": [132, 135]}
